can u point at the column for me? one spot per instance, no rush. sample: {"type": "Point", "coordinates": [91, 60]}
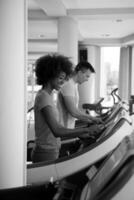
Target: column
{"type": "Point", "coordinates": [12, 93]}
{"type": "Point", "coordinates": [68, 38]}
{"type": "Point", "coordinates": [124, 73]}
{"type": "Point", "coordinates": [132, 72]}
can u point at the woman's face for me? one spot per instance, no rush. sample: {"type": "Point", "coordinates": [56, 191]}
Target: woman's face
{"type": "Point", "coordinates": [58, 82]}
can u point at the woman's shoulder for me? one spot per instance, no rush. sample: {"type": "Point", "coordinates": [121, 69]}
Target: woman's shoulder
{"type": "Point", "coordinates": [43, 98]}
{"type": "Point", "coordinates": [43, 95]}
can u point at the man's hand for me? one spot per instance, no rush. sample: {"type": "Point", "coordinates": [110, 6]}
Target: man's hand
{"type": "Point", "coordinates": [94, 131]}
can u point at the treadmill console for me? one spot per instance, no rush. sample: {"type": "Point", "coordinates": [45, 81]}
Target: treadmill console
{"type": "Point", "coordinates": [112, 163]}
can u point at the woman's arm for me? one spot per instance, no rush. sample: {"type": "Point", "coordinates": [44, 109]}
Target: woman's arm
{"type": "Point", "coordinates": [57, 129]}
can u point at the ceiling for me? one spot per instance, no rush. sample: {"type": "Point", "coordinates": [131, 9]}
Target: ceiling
{"type": "Point", "coordinates": [100, 22]}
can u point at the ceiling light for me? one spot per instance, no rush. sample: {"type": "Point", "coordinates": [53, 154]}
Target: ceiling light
{"type": "Point", "coordinates": [105, 35]}
{"type": "Point", "coordinates": [119, 20]}
{"type": "Point", "coordinates": [41, 35]}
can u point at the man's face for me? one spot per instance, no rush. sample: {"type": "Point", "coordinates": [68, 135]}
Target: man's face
{"type": "Point", "coordinates": [83, 75]}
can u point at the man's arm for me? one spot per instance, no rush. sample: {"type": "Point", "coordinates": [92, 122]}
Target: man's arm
{"type": "Point", "coordinates": [71, 107]}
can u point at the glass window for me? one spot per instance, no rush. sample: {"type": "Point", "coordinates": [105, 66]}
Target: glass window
{"type": "Point", "coordinates": [32, 87]}
{"type": "Point", "coordinates": [109, 72]}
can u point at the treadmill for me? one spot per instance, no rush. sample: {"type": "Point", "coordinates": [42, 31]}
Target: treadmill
{"type": "Point", "coordinates": [52, 171]}
{"type": "Point", "coordinates": [115, 177]}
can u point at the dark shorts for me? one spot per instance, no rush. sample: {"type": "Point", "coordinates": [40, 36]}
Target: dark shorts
{"type": "Point", "coordinates": [44, 155]}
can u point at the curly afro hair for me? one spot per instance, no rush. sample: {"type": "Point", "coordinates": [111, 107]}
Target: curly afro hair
{"type": "Point", "coordinates": [49, 67]}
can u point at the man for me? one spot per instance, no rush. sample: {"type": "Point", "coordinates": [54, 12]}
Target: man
{"type": "Point", "coordinates": [68, 97]}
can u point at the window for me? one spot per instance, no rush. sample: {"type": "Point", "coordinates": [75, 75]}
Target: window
{"type": "Point", "coordinates": [32, 87]}
{"type": "Point", "coordinates": [109, 72]}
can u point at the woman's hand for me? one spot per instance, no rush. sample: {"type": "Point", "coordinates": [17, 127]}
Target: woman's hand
{"type": "Point", "coordinates": [94, 130]}
{"type": "Point", "coordinates": [97, 120]}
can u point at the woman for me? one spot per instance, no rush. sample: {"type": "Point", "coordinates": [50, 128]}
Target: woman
{"type": "Point", "coordinates": [51, 73]}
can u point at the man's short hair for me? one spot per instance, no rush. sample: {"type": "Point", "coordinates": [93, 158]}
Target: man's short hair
{"type": "Point", "coordinates": [84, 65]}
